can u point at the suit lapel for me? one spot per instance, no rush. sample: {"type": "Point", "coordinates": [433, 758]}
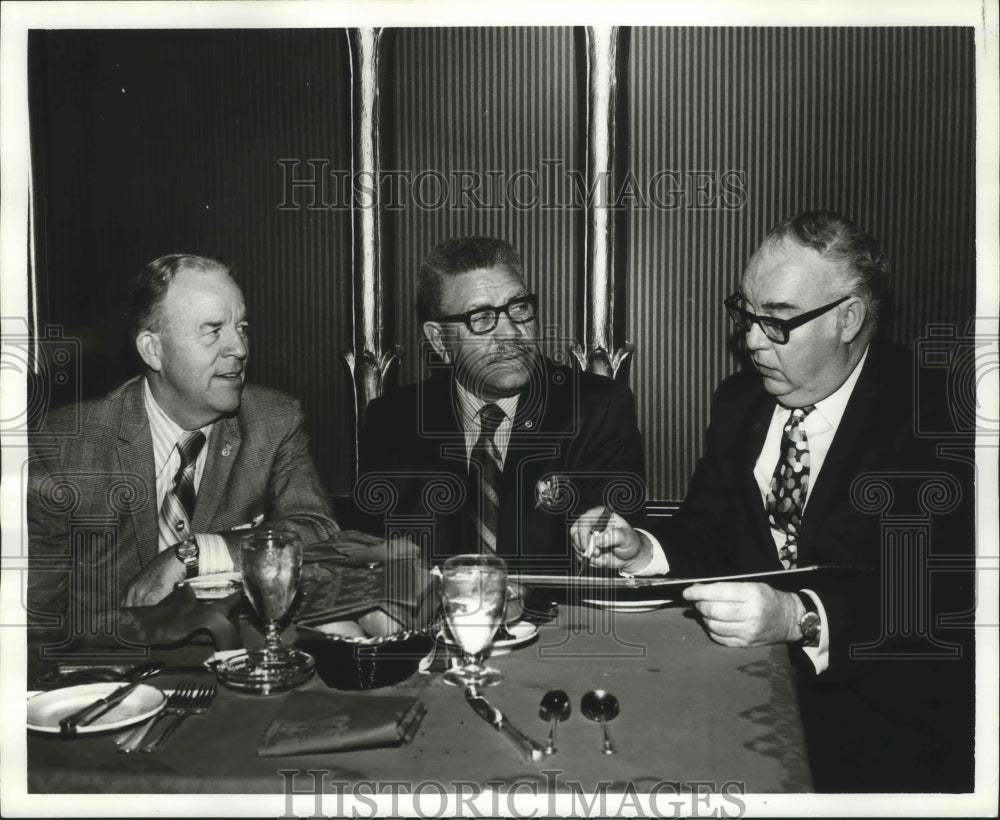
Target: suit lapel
{"type": "Point", "coordinates": [135, 457]}
{"type": "Point", "coordinates": [855, 436]}
{"type": "Point", "coordinates": [223, 449]}
{"type": "Point", "coordinates": [531, 417]}
{"type": "Point", "coordinates": [761, 413]}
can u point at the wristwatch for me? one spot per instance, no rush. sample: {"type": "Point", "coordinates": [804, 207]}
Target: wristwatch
{"type": "Point", "coordinates": [187, 553]}
{"type": "Point", "coordinates": [810, 622]}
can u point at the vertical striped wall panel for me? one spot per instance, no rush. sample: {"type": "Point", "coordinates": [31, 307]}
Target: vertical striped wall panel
{"type": "Point", "coordinates": [877, 124]}
{"type": "Point", "coordinates": [491, 102]}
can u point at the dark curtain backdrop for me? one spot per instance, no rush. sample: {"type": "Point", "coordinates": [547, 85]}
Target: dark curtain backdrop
{"type": "Point", "coordinates": [154, 142]}
{"type": "Point", "coordinates": [149, 142]}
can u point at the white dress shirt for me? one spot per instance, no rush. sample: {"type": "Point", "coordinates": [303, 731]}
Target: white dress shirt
{"type": "Point", "coordinates": [213, 554]}
{"type": "Point", "coordinates": [820, 427]}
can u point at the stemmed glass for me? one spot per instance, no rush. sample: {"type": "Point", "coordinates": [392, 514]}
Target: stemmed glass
{"type": "Point", "coordinates": [270, 562]}
{"type": "Point", "coordinates": [474, 596]}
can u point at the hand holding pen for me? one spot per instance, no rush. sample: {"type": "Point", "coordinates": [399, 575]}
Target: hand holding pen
{"type": "Point", "coordinates": [603, 539]}
{"type": "Point", "coordinates": [599, 527]}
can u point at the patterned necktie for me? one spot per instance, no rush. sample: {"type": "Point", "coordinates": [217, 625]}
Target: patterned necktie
{"type": "Point", "coordinates": [786, 497]}
{"type": "Point", "coordinates": [486, 468]}
{"type": "Point", "coordinates": [178, 503]}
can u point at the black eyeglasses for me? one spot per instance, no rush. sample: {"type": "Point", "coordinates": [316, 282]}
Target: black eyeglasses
{"type": "Point", "coordinates": [776, 330]}
{"type": "Point", "coordinates": [520, 310]}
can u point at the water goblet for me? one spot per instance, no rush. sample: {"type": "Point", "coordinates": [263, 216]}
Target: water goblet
{"type": "Point", "coordinates": [474, 596]}
{"type": "Point", "coordinates": [270, 563]}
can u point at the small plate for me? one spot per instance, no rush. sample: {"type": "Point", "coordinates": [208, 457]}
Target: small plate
{"type": "Point", "coordinates": [521, 633]}
{"type": "Point", "coordinates": [46, 709]}
{"type": "Point", "coordinates": [627, 606]}
{"type": "Point", "coordinates": [215, 586]}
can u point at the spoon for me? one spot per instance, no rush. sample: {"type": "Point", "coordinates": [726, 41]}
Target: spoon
{"type": "Point", "coordinates": [601, 706]}
{"type": "Point", "coordinates": [555, 707]}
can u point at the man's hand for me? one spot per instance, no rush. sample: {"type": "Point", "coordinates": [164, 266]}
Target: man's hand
{"type": "Point", "coordinates": [618, 547]}
{"type": "Point", "coordinates": [156, 581]}
{"type": "Point", "coordinates": [747, 614]}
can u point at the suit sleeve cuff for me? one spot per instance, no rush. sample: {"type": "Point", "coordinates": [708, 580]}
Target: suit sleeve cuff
{"type": "Point", "coordinates": [658, 564]}
{"type": "Point", "coordinates": [213, 554]}
{"type": "Point", "coordinates": [819, 655]}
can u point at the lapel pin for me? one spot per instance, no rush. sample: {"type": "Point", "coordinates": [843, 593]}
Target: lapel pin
{"type": "Point", "coordinates": [226, 450]}
{"type": "Point", "coordinates": [529, 424]}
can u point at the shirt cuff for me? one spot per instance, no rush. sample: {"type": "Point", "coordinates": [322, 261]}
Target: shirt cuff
{"type": "Point", "coordinates": [819, 655]}
{"type": "Point", "coordinates": [658, 564]}
{"type": "Point", "coordinates": [213, 554]}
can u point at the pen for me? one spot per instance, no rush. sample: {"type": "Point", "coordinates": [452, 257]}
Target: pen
{"type": "Point", "coordinates": [599, 527]}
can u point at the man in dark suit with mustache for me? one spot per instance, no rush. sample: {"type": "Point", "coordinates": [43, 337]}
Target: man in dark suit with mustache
{"type": "Point", "coordinates": [828, 406]}
{"type": "Point", "coordinates": [500, 448]}
{"type": "Point", "coordinates": [159, 480]}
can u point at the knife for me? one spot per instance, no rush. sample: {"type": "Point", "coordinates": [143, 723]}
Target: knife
{"type": "Point", "coordinates": [482, 707]}
{"type": "Point", "coordinates": [88, 714]}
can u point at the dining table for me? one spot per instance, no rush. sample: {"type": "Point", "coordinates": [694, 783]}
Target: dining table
{"type": "Point", "coordinates": [692, 715]}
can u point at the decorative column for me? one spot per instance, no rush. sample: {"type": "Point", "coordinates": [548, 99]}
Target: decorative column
{"type": "Point", "coordinates": [373, 356]}
{"type": "Point", "coordinates": [907, 616]}
{"type": "Point", "coordinates": [603, 77]}
{"type": "Point", "coordinates": [90, 564]}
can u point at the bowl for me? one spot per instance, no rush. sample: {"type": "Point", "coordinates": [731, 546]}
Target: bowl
{"type": "Point", "coordinates": [355, 662]}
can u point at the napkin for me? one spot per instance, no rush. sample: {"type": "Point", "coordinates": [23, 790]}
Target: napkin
{"type": "Point", "coordinates": [316, 722]}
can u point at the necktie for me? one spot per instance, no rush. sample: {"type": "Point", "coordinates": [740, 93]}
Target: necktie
{"type": "Point", "coordinates": [786, 497]}
{"type": "Point", "coordinates": [178, 503]}
{"type": "Point", "coordinates": [486, 468]}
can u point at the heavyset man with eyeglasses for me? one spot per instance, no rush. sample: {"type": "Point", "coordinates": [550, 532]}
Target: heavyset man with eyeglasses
{"type": "Point", "coordinates": [500, 448]}
{"type": "Point", "coordinates": [828, 401]}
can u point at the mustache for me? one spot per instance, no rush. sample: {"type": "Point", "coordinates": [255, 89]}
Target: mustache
{"type": "Point", "coordinates": [506, 350]}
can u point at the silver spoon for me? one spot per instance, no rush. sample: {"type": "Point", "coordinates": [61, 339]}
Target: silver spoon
{"type": "Point", "coordinates": [601, 706]}
{"type": "Point", "coordinates": [555, 708]}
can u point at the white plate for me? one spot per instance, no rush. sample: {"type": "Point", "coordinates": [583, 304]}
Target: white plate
{"type": "Point", "coordinates": [214, 586]}
{"type": "Point", "coordinates": [46, 709]}
{"type": "Point", "coordinates": [627, 606]}
{"type": "Point", "coordinates": [521, 633]}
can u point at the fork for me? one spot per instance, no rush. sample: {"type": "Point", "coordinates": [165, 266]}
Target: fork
{"type": "Point", "coordinates": [195, 703]}
{"type": "Point", "coordinates": [130, 741]}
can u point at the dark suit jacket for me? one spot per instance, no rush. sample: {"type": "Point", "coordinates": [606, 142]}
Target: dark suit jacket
{"type": "Point", "coordinates": [91, 502]}
{"type": "Point", "coordinates": [579, 426]}
{"type": "Point", "coordinates": [722, 528]}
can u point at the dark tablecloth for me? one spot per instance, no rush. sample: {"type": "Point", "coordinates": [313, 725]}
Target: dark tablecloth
{"type": "Point", "coordinates": [691, 712]}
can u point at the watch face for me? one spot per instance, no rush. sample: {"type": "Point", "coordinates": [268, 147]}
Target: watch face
{"type": "Point", "coordinates": [809, 625]}
{"type": "Point", "coordinates": [187, 551]}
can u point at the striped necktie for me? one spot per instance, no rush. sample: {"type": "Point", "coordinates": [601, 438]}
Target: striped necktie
{"type": "Point", "coordinates": [178, 503]}
{"type": "Point", "coordinates": [786, 497]}
{"type": "Point", "coordinates": [486, 469]}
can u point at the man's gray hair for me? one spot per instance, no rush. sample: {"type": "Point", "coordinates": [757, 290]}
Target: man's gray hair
{"type": "Point", "coordinates": [864, 266]}
{"type": "Point", "coordinates": [150, 288]}
{"type": "Point", "coordinates": [457, 256]}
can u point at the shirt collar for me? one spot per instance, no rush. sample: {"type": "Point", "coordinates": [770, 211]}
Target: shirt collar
{"type": "Point", "coordinates": [164, 430]}
{"type": "Point", "coordinates": [470, 404]}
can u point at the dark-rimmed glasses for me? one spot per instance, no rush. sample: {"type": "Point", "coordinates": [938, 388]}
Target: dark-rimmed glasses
{"type": "Point", "coordinates": [520, 310]}
{"type": "Point", "coordinates": [776, 330]}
